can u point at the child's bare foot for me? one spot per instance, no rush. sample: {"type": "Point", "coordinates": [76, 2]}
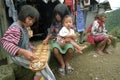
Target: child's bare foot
{"type": "Point", "coordinates": [78, 51]}
{"type": "Point", "coordinates": [84, 47]}
{"type": "Point", "coordinates": [99, 52]}
{"type": "Point", "coordinates": [107, 52]}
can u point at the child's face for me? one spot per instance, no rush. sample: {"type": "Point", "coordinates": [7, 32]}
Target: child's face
{"type": "Point", "coordinates": [104, 18]}
{"type": "Point", "coordinates": [68, 22]}
{"type": "Point", "coordinates": [29, 21]}
{"type": "Point", "coordinates": [58, 18]}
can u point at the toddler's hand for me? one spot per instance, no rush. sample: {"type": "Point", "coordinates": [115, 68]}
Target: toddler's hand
{"type": "Point", "coordinates": [78, 35]}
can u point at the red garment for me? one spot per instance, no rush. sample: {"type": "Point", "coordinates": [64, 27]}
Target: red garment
{"type": "Point", "coordinates": [100, 23]}
{"type": "Point", "coordinates": [90, 38]}
{"type": "Point", "coordinates": [71, 4]}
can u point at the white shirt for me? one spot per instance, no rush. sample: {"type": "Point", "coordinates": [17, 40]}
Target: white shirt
{"type": "Point", "coordinates": [64, 32]}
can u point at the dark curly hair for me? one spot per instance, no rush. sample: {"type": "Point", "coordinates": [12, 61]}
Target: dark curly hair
{"type": "Point", "coordinates": [28, 11]}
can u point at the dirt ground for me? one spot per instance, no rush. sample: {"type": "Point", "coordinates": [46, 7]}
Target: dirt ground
{"type": "Point", "coordinates": [91, 66]}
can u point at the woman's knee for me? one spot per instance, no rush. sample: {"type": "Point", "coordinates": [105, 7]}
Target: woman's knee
{"type": "Point", "coordinates": [106, 39]}
{"type": "Point", "coordinates": [109, 41]}
{"type": "Point", "coordinates": [70, 50]}
{"type": "Point", "coordinates": [55, 51]}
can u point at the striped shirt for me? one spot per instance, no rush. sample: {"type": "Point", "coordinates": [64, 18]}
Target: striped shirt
{"type": "Point", "coordinates": [11, 39]}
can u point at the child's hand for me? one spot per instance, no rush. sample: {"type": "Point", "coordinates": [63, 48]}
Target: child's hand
{"type": "Point", "coordinates": [78, 35]}
{"type": "Point", "coordinates": [56, 30]}
{"type": "Point", "coordinates": [75, 36]}
{"type": "Point", "coordinates": [45, 42]}
{"type": "Point", "coordinates": [28, 54]}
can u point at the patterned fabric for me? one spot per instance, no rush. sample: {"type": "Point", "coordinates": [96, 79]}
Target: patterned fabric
{"type": "Point", "coordinates": [11, 39]}
{"type": "Point", "coordinates": [19, 40]}
{"type": "Point", "coordinates": [60, 44]}
{"type": "Point", "coordinates": [98, 27]}
{"type": "Point", "coordinates": [94, 32]}
{"type": "Point", "coordinates": [54, 29]}
{"type": "Point", "coordinates": [99, 38]}
{"type": "Point", "coordinates": [80, 26]}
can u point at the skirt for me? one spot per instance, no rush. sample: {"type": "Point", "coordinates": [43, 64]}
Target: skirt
{"type": "Point", "coordinates": [62, 50]}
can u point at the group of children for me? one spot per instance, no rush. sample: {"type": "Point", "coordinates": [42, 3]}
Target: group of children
{"type": "Point", "coordinates": [16, 41]}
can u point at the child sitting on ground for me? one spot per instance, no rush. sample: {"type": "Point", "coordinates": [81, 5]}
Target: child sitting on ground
{"type": "Point", "coordinates": [97, 33]}
{"type": "Point", "coordinates": [67, 34]}
{"type": "Point", "coordinates": [16, 42]}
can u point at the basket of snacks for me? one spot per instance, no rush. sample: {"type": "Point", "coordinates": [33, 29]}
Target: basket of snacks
{"type": "Point", "coordinates": [42, 53]}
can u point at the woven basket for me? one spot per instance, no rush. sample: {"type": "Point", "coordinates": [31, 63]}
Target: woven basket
{"type": "Point", "coordinates": [42, 53]}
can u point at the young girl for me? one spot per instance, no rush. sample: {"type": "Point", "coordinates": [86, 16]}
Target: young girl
{"type": "Point", "coordinates": [60, 11]}
{"type": "Point", "coordinates": [62, 54]}
{"type": "Point", "coordinates": [54, 28]}
{"type": "Point", "coordinates": [100, 34]}
{"type": "Point", "coordinates": [67, 34]}
{"type": "Point", "coordinates": [16, 41]}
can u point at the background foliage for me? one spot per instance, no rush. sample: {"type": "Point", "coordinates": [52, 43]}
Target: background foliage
{"type": "Point", "coordinates": [113, 23]}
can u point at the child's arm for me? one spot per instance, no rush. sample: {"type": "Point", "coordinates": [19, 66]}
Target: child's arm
{"type": "Point", "coordinates": [10, 41]}
{"type": "Point", "coordinates": [45, 41]}
{"type": "Point", "coordinates": [49, 35]}
{"type": "Point", "coordinates": [73, 36]}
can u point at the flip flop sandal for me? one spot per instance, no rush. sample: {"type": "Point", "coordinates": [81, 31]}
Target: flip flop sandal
{"type": "Point", "coordinates": [61, 71]}
{"type": "Point", "coordinates": [69, 69]}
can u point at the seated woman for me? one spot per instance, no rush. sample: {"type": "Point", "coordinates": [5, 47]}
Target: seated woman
{"type": "Point", "coordinates": [100, 35]}
{"type": "Point", "coordinates": [62, 54]}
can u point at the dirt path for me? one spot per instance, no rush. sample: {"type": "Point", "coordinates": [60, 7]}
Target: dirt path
{"type": "Point", "coordinates": [91, 66]}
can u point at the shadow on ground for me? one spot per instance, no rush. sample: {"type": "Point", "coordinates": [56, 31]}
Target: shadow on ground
{"type": "Point", "coordinates": [91, 66]}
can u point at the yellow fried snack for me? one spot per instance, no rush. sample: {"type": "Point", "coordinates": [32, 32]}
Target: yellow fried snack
{"type": "Point", "coordinates": [42, 53]}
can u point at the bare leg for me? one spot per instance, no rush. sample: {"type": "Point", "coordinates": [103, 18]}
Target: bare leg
{"type": "Point", "coordinates": [101, 45]}
{"type": "Point", "coordinates": [36, 77]}
{"type": "Point", "coordinates": [106, 47]}
{"type": "Point", "coordinates": [59, 57]}
{"type": "Point", "coordinates": [78, 48]}
{"type": "Point", "coordinates": [68, 56]}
